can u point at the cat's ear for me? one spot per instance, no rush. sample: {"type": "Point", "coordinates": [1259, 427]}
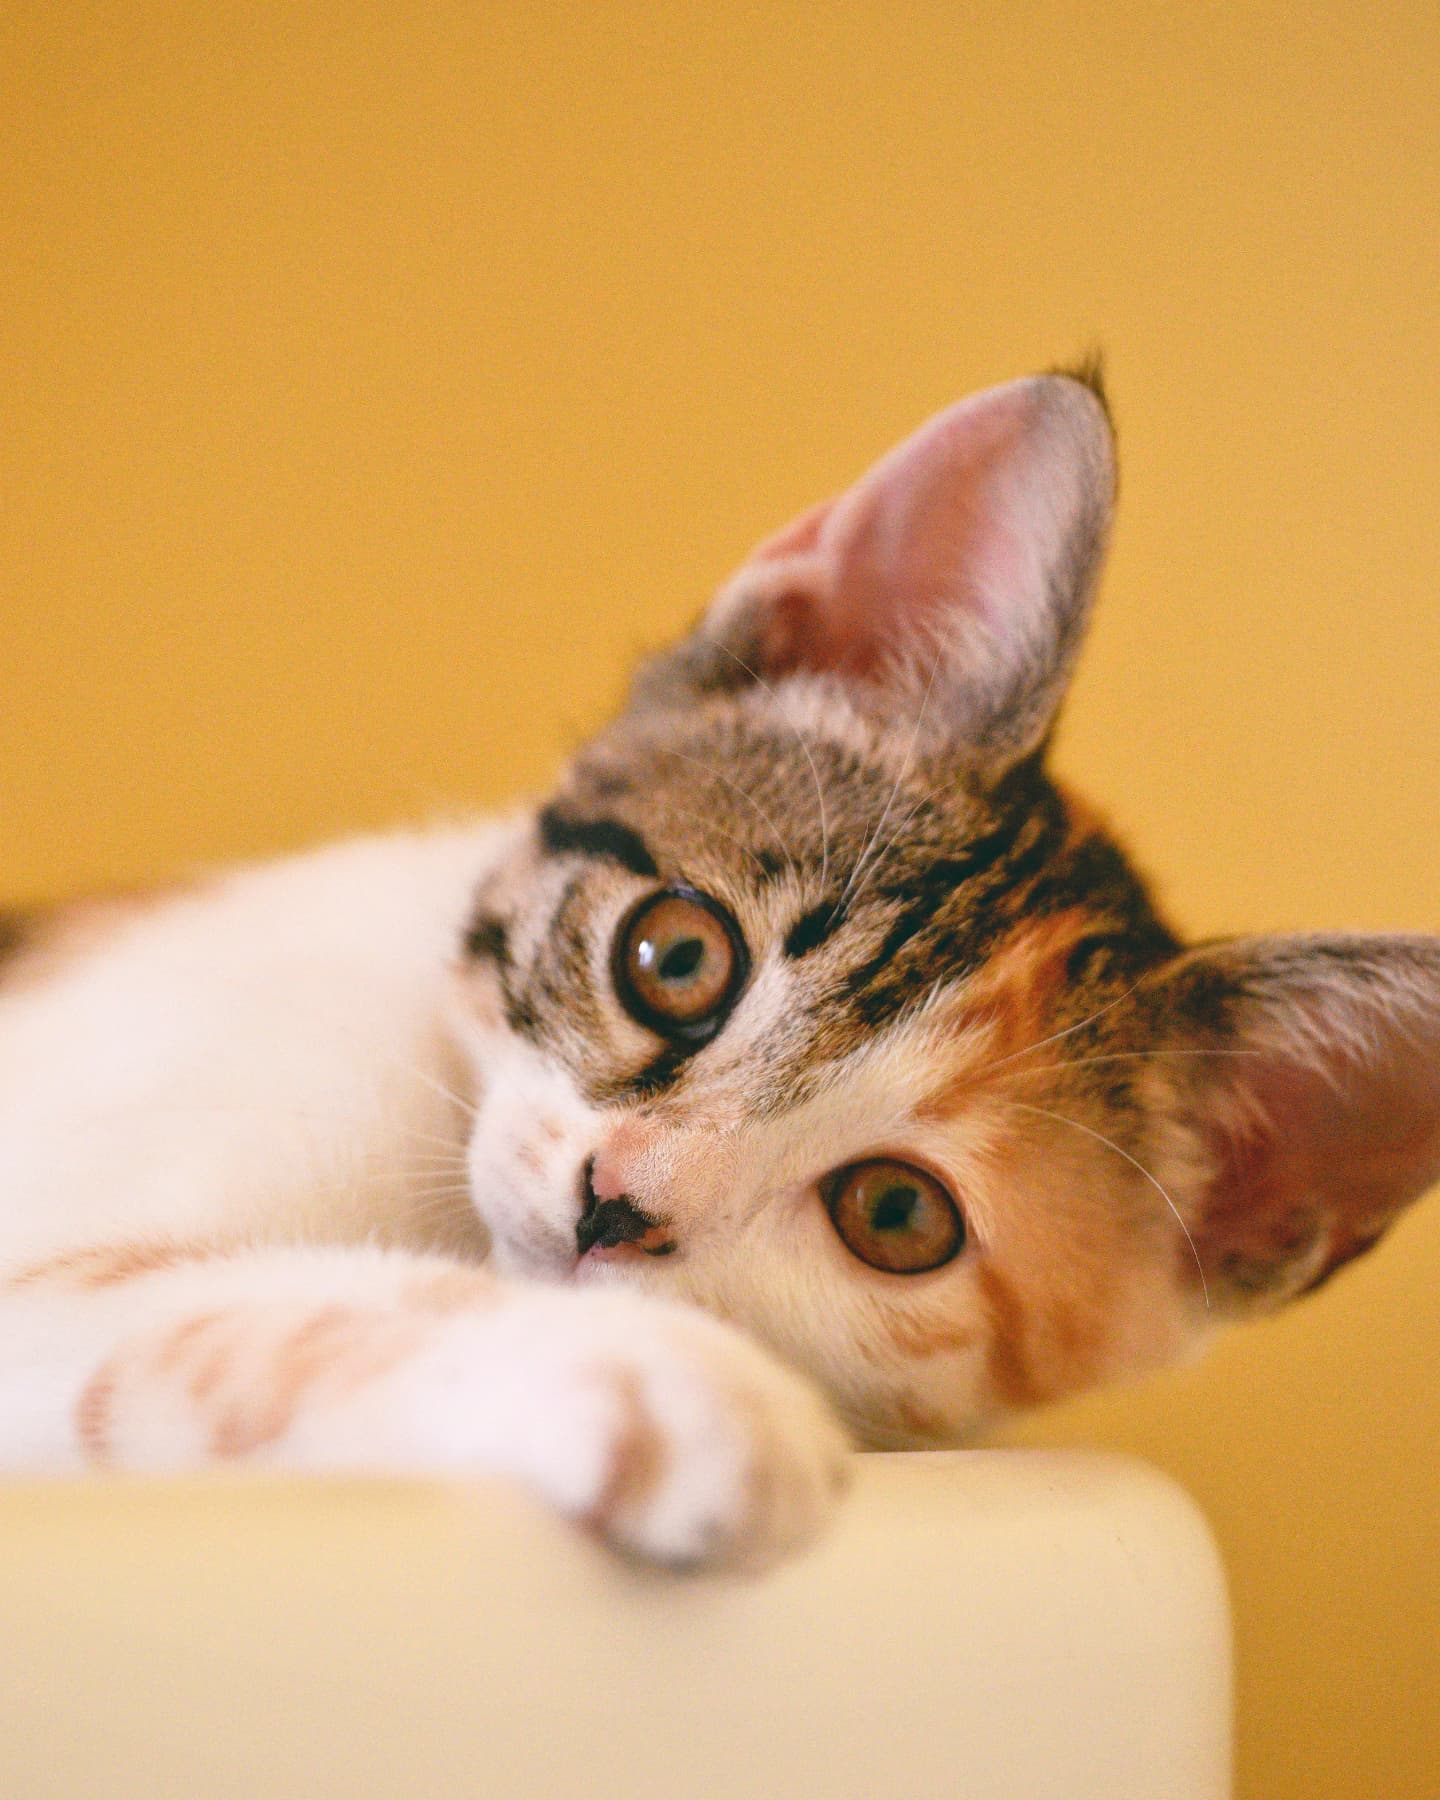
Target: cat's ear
{"type": "Point", "coordinates": [962, 564]}
{"type": "Point", "coordinates": [1302, 1078]}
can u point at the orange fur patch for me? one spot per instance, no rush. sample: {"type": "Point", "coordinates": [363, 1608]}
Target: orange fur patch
{"type": "Point", "coordinates": [921, 1335]}
{"type": "Point", "coordinates": [451, 1291]}
{"type": "Point", "coordinates": [92, 1414]}
{"type": "Point", "coordinates": [1008, 1360]}
{"type": "Point", "coordinates": [917, 1420]}
{"type": "Point", "coordinates": [245, 1382]}
{"type": "Point", "coordinates": [1013, 1001]}
{"type": "Point", "coordinates": [105, 1265]}
{"type": "Point", "coordinates": [331, 1354]}
{"type": "Point", "coordinates": [638, 1458]}
{"type": "Point", "coordinates": [207, 1371]}
{"type": "Point", "coordinates": [1047, 1338]}
{"type": "Point", "coordinates": [1029, 969]}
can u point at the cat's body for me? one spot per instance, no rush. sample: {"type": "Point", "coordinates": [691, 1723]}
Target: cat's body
{"type": "Point", "coordinates": [809, 1002]}
{"type": "Point", "coordinates": [337, 962]}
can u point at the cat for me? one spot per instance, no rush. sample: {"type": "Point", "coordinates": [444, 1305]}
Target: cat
{"type": "Point", "coordinates": [811, 1068]}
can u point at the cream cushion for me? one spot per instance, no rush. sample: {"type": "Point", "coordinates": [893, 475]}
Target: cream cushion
{"type": "Point", "coordinates": [1028, 1624]}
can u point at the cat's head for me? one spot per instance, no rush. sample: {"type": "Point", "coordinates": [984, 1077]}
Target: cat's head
{"type": "Point", "coordinates": [810, 997]}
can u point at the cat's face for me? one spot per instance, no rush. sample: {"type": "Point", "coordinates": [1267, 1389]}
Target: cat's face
{"type": "Point", "coordinates": [810, 997]}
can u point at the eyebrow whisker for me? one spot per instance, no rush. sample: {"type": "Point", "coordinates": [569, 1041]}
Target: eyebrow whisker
{"type": "Point", "coordinates": [814, 772]}
{"type": "Point", "coordinates": [849, 891]}
{"type": "Point", "coordinates": [749, 799]}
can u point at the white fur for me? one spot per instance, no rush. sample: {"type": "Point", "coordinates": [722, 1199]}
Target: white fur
{"type": "Point", "coordinates": [264, 1056]}
{"type": "Point", "coordinates": [267, 1062]}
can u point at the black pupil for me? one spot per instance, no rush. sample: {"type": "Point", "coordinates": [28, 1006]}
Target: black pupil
{"type": "Point", "coordinates": [894, 1209]}
{"type": "Point", "coordinates": [681, 960]}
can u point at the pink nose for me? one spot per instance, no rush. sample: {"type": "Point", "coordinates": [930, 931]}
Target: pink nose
{"type": "Point", "coordinates": [607, 1179]}
{"type": "Point", "coordinates": [611, 1224]}
{"type": "Point", "coordinates": [616, 1161]}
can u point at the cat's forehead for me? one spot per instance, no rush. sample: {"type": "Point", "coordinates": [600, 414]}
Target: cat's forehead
{"type": "Point", "coordinates": [787, 786]}
{"type": "Point", "coordinates": [868, 879]}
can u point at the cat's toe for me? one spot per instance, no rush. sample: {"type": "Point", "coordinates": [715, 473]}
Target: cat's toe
{"type": "Point", "coordinates": [670, 1435]}
{"type": "Point", "coordinates": [725, 1459]}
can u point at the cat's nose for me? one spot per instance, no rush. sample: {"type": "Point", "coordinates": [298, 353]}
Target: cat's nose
{"type": "Point", "coordinates": [604, 1224]}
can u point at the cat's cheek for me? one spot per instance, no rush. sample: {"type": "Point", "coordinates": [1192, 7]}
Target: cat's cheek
{"type": "Point", "coordinates": [907, 1361]}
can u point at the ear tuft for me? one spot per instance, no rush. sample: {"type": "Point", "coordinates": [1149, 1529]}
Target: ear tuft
{"type": "Point", "coordinates": [1089, 372]}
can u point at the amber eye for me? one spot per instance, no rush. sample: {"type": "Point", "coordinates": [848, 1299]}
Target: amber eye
{"type": "Point", "coordinates": [679, 963]}
{"type": "Point", "coordinates": [895, 1217]}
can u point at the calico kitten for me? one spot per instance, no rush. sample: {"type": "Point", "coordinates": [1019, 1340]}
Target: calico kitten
{"type": "Point", "coordinates": [810, 1012]}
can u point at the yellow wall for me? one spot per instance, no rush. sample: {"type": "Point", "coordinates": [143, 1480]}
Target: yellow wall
{"type": "Point", "coordinates": [376, 378]}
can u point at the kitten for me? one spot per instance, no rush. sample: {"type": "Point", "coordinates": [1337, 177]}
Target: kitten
{"type": "Point", "coordinates": [810, 1012]}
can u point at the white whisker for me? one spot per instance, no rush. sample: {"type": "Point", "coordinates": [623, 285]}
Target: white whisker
{"type": "Point", "coordinates": [894, 839]}
{"type": "Point", "coordinates": [1087, 1062]}
{"type": "Point", "coordinates": [814, 772]}
{"type": "Point", "coordinates": [848, 892]}
{"type": "Point", "coordinates": [729, 836]}
{"type": "Point", "coordinates": [749, 799]}
{"type": "Point", "coordinates": [1069, 1031]}
{"type": "Point", "coordinates": [1100, 1138]}
{"type": "Point", "coordinates": [427, 1140]}
{"type": "Point", "coordinates": [446, 1093]}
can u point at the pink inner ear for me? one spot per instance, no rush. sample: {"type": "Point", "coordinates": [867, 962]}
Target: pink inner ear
{"type": "Point", "coordinates": [1315, 1177]}
{"type": "Point", "coordinates": [963, 519]}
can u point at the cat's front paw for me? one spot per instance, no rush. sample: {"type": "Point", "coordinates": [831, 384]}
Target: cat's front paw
{"type": "Point", "coordinates": [673, 1436]}
{"type": "Point", "coordinates": [712, 1452]}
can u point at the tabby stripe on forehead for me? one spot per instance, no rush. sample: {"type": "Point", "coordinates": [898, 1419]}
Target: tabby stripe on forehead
{"type": "Point", "coordinates": [813, 928]}
{"type": "Point", "coordinates": [934, 888]}
{"type": "Point", "coordinates": [607, 839]}
{"type": "Point", "coordinates": [929, 894]}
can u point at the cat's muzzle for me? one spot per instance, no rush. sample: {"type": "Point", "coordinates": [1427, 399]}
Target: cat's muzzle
{"type": "Point", "coordinates": [607, 1224]}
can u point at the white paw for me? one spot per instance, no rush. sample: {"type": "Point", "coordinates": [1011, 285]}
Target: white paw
{"type": "Point", "coordinates": [673, 1436]}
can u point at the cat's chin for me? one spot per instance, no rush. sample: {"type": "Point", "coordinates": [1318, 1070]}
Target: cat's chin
{"type": "Point", "coordinates": [617, 1265]}
{"type": "Point", "coordinates": [534, 1261]}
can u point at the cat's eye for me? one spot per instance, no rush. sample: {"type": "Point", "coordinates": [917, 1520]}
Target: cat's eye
{"type": "Point", "coordinates": [679, 962]}
{"type": "Point", "coordinates": [894, 1217]}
